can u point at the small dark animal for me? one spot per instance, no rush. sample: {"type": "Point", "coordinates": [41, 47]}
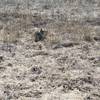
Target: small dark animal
{"type": "Point", "coordinates": [39, 36]}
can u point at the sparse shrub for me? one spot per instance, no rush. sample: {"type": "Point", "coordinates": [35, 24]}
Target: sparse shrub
{"type": "Point", "coordinates": [1, 58]}
{"type": "Point", "coordinates": [88, 38]}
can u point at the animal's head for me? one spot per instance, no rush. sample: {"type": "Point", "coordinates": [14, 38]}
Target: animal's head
{"type": "Point", "coordinates": [41, 31]}
{"type": "Point", "coordinates": [40, 35]}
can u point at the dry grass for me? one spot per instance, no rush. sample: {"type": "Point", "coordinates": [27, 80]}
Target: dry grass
{"type": "Point", "coordinates": [53, 38]}
{"type": "Point", "coordinates": [76, 30]}
{"type": "Point", "coordinates": [8, 36]}
{"type": "Point", "coordinates": [72, 30]}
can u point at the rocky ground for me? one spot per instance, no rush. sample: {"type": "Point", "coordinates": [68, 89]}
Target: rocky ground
{"type": "Point", "coordinates": [64, 66]}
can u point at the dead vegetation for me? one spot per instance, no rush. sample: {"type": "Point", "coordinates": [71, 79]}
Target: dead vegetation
{"type": "Point", "coordinates": [63, 64]}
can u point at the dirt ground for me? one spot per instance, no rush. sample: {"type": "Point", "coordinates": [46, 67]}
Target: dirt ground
{"type": "Point", "coordinates": [64, 66]}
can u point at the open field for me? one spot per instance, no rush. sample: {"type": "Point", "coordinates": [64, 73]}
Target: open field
{"type": "Point", "coordinates": [65, 65]}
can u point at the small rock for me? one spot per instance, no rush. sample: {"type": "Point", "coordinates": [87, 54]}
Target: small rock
{"type": "Point", "coordinates": [36, 70]}
{"type": "Point", "coordinates": [9, 64]}
{"type": "Point", "coordinates": [97, 38]}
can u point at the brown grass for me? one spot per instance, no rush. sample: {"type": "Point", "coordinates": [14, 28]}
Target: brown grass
{"type": "Point", "coordinates": [76, 30]}
{"type": "Point", "coordinates": [8, 36]}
